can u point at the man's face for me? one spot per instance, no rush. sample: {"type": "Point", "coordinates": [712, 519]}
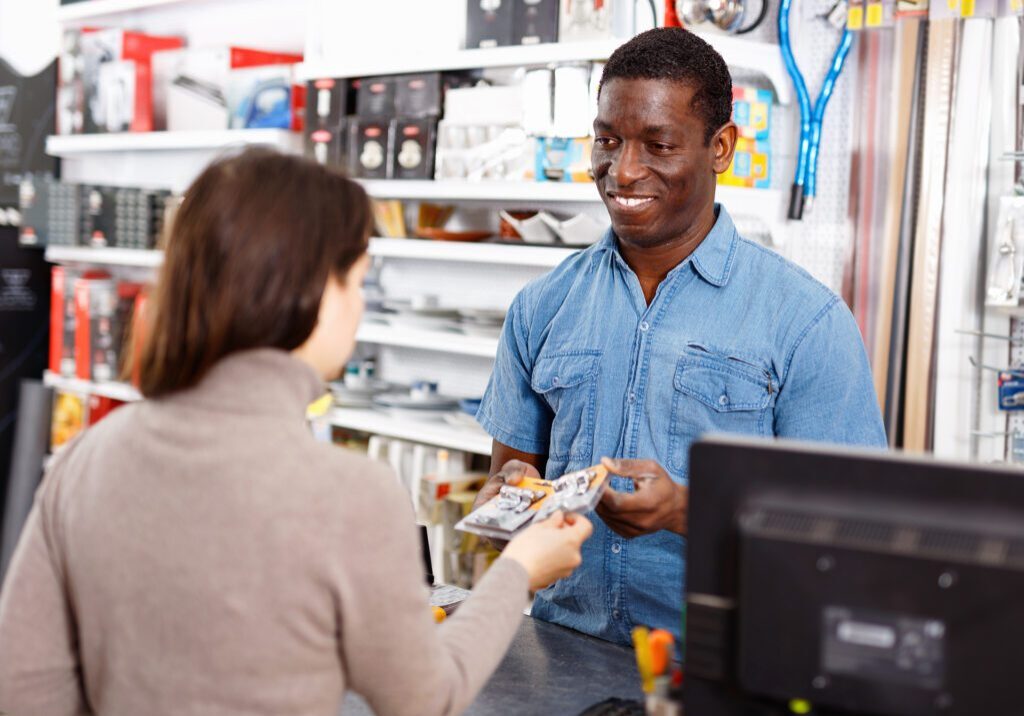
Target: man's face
{"type": "Point", "coordinates": [655, 172]}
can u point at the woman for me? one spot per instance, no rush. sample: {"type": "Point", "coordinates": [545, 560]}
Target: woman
{"type": "Point", "coordinates": [199, 552]}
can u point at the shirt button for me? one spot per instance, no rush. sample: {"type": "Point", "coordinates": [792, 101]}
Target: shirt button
{"type": "Point", "coordinates": [632, 397]}
{"type": "Point", "coordinates": [616, 548]}
{"type": "Point", "coordinates": [616, 613]}
{"type": "Point", "coordinates": [645, 326]}
{"type": "Point", "coordinates": [554, 381]}
{"type": "Point", "coordinates": [724, 400]}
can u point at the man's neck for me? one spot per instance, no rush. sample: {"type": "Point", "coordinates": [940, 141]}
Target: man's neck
{"type": "Point", "coordinates": [652, 264]}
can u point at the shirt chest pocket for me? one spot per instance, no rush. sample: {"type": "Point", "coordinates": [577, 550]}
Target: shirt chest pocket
{"type": "Point", "coordinates": [568, 384]}
{"type": "Point", "coordinates": [717, 394]}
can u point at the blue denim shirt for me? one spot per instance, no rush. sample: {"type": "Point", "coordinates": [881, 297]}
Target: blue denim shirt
{"type": "Point", "coordinates": [736, 340]}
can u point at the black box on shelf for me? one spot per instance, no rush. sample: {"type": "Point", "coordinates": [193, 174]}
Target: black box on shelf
{"type": "Point", "coordinates": [369, 154]}
{"type": "Point", "coordinates": [422, 95]}
{"type": "Point", "coordinates": [535, 22]}
{"type": "Point", "coordinates": [99, 216]}
{"type": "Point", "coordinates": [488, 23]}
{"type": "Point", "coordinates": [329, 146]}
{"type": "Point", "coordinates": [65, 224]}
{"type": "Point", "coordinates": [327, 103]}
{"type": "Point", "coordinates": [413, 144]}
{"type": "Point", "coordinates": [139, 217]}
{"type": "Point", "coordinates": [375, 96]}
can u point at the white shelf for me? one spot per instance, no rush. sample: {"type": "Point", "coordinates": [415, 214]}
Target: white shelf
{"type": "Point", "coordinates": [98, 8]}
{"type": "Point", "coordinates": [521, 191]}
{"type": "Point", "coordinates": [761, 57]}
{"type": "Point", "coordinates": [117, 391]}
{"type": "Point", "coordinates": [506, 254]}
{"type": "Point", "coordinates": [420, 431]}
{"type": "Point", "coordinates": [439, 341]}
{"type": "Point", "coordinates": [139, 258]}
{"type": "Point", "coordinates": [78, 144]}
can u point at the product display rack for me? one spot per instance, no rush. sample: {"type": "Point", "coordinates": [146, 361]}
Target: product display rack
{"type": "Point", "coordinates": [81, 11]}
{"type": "Point", "coordinates": [77, 144]}
{"type": "Point", "coordinates": [117, 391]}
{"type": "Point", "coordinates": [440, 341]}
{"type": "Point", "coordinates": [420, 431]}
{"type": "Point", "coordinates": [760, 57]}
{"type": "Point", "coordinates": [84, 255]}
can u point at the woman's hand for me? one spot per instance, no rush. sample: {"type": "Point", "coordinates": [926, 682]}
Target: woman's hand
{"type": "Point", "coordinates": [550, 550]}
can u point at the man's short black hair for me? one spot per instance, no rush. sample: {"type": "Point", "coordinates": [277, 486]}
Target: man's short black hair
{"type": "Point", "coordinates": [672, 53]}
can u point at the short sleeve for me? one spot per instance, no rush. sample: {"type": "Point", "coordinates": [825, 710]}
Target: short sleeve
{"type": "Point", "coordinates": [511, 411]}
{"type": "Point", "coordinates": [828, 394]}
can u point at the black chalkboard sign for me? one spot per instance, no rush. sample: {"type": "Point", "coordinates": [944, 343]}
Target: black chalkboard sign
{"type": "Point", "coordinates": [27, 117]}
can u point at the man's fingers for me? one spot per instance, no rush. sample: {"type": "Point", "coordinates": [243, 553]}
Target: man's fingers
{"type": "Point", "coordinates": [641, 469]}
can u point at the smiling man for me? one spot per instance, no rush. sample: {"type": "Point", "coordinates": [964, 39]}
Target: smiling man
{"type": "Point", "coordinates": [670, 327]}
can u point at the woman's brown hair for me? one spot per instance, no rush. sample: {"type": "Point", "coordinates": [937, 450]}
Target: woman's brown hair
{"type": "Point", "coordinates": [247, 261]}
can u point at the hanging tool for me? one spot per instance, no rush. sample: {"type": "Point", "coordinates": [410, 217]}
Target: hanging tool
{"type": "Point", "coordinates": [811, 116]}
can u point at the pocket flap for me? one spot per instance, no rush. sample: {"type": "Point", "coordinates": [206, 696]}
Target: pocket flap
{"type": "Point", "coordinates": [563, 370]}
{"type": "Point", "coordinates": [722, 386]}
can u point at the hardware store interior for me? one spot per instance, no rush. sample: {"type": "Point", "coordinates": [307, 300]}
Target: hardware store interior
{"type": "Point", "coordinates": [511, 357]}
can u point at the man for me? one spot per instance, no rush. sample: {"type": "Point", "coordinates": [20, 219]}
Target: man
{"type": "Point", "coordinates": [670, 327]}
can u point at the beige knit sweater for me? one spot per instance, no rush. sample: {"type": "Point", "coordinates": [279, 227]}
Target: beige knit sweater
{"type": "Point", "coordinates": [202, 554]}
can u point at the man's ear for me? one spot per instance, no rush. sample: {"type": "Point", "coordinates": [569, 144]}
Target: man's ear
{"type": "Point", "coordinates": [724, 146]}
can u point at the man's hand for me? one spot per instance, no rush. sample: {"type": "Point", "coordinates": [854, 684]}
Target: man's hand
{"type": "Point", "coordinates": [511, 473]}
{"type": "Point", "coordinates": [657, 504]}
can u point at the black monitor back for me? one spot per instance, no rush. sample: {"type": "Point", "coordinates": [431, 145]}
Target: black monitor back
{"type": "Point", "coordinates": [858, 581]}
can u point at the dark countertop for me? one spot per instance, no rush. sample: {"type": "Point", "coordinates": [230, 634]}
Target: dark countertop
{"type": "Point", "coordinates": [548, 670]}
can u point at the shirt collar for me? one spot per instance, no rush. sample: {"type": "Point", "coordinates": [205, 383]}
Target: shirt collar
{"type": "Point", "coordinates": [712, 259]}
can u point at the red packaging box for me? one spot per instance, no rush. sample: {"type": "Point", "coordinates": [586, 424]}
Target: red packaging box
{"type": "Point", "coordinates": [102, 312]}
{"type": "Point", "coordinates": [100, 407]}
{"type": "Point", "coordinates": [101, 47]}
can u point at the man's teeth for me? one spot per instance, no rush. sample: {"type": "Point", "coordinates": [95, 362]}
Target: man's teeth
{"type": "Point", "coordinates": [632, 202]}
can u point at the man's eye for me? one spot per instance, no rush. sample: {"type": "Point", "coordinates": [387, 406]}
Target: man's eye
{"type": "Point", "coordinates": [604, 141]}
{"type": "Point", "coordinates": [659, 147]}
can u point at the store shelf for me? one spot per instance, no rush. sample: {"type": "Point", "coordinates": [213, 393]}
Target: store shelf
{"type": "Point", "coordinates": [117, 391]}
{"type": "Point", "coordinates": [78, 144]}
{"type": "Point", "coordinates": [760, 57]}
{"type": "Point", "coordinates": [439, 341]}
{"type": "Point", "coordinates": [481, 191]}
{"type": "Point", "coordinates": [505, 254]}
{"type": "Point", "coordinates": [420, 431]}
{"type": "Point", "coordinates": [79, 11]}
{"type": "Point", "coordinates": [139, 258]}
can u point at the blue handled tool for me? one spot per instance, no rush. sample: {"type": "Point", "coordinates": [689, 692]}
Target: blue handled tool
{"type": "Point", "coordinates": [811, 116]}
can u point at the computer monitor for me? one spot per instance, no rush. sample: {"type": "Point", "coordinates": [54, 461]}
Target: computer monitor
{"type": "Point", "coordinates": [852, 582]}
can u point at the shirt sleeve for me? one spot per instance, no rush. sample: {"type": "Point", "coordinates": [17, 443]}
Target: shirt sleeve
{"type": "Point", "coordinates": [38, 656]}
{"type": "Point", "coordinates": [394, 655]}
{"type": "Point", "coordinates": [828, 394]}
{"type": "Point", "coordinates": [511, 411]}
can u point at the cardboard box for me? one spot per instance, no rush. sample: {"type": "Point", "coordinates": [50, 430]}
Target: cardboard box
{"type": "Point", "coordinates": [751, 165]}
{"type": "Point", "coordinates": [564, 159]}
{"type": "Point", "coordinates": [191, 86]}
{"type": "Point", "coordinates": [370, 148]}
{"type": "Point", "coordinates": [413, 147]}
{"type": "Point", "coordinates": [266, 97]}
{"type": "Point", "coordinates": [100, 407]}
{"type": "Point", "coordinates": [62, 320]}
{"type": "Point", "coordinates": [107, 90]}
{"type": "Point", "coordinates": [489, 23]}
{"type": "Point", "coordinates": [752, 111]}
{"type": "Point", "coordinates": [329, 146]}
{"type": "Point", "coordinates": [535, 22]}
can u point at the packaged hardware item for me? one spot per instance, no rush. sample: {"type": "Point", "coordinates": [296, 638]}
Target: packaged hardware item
{"type": "Point", "coordinates": [65, 223]}
{"type": "Point", "coordinates": [103, 310]}
{"type": "Point", "coordinates": [121, 97]}
{"type": "Point", "coordinates": [751, 111]}
{"type": "Point", "coordinates": [191, 87]}
{"type": "Point", "coordinates": [69, 414]}
{"type": "Point", "coordinates": [370, 148]}
{"type": "Point", "coordinates": [1006, 264]}
{"type": "Point", "coordinates": [534, 22]}
{"type": "Point", "coordinates": [62, 320]}
{"type": "Point", "coordinates": [70, 85]}
{"type": "Point", "coordinates": [326, 121]}
{"type": "Point", "coordinates": [375, 96]}
{"type": "Point", "coordinates": [422, 95]}
{"type": "Point", "coordinates": [34, 205]}
{"type": "Point", "coordinates": [750, 165]}
{"type": "Point", "coordinates": [99, 217]}
{"type": "Point", "coordinates": [100, 407]}
{"type": "Point", "coordinates": [489, 23]}
{"type": "Point", "coordinates": [563, 159]}
{"type": "Point", "coordinates": [413, 148]}
{"type": "Point", "coordinates": [483, 152]}
{"type": "Point", "coordinates": [515, 507]}
{"type": "Point", "coordinates": [266, 98]}
{"type": "Point", "coordinates": [581, 20]}
{"type": "Point", "coordinates": [139, 217]}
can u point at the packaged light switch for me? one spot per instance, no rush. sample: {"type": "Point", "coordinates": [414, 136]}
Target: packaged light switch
{"type": "Point", "coordinates": [375, 97]}
{"type": "Point", "coordinates": [488, 23]}
{"type": "Point", "coordinates": [751, 111]}
{"type": "Point", "coordinates": [370, 148]}
{"type": "Point", "coordinates": [413, 147]}
{"type": "Point", "coordinates": [1011, 390]}
{"type": "Point", "coordinates": [517, 506]}
{"type": "Point", "coordinates": [34, 205]}
{"type": "Point", "coordinates": [563, 159]}
{"type": "Point", "coordinates": [535, 22]}
{"type": "Point", "coordinates": [100, 217]}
